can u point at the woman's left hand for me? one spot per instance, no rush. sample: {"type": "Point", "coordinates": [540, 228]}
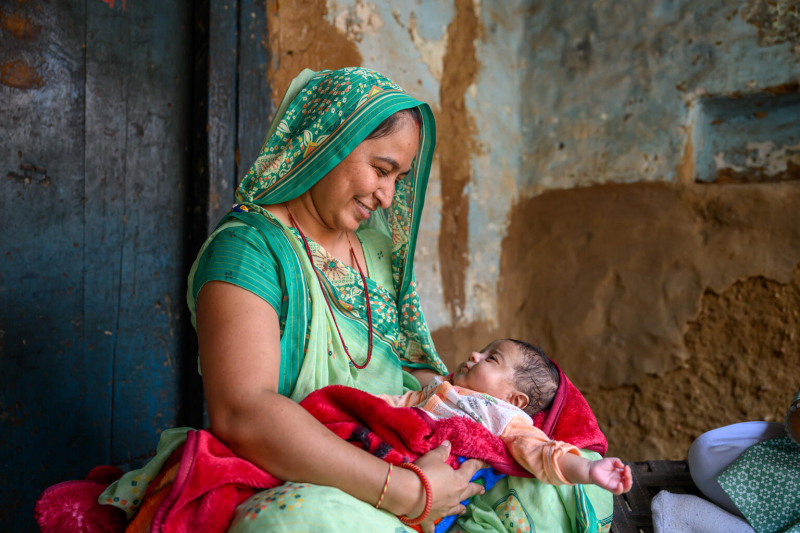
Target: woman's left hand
{"type": "Point", "coordinates": [423, 375]}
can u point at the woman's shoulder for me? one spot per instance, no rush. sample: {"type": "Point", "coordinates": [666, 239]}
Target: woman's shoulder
{"type": "Point", "coordinates": [236, 238]}
{"type": "Point", "coordinates": [277, 213]}
{"type": "Point", "coordinates": [251, 228]}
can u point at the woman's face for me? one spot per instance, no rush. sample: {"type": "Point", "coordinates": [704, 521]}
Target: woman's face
{"type": "Point", "coordinates": [365, 179]}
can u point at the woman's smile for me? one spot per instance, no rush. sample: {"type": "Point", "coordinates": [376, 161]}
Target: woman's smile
{"type": "Point", "coordinates": [363, 210]}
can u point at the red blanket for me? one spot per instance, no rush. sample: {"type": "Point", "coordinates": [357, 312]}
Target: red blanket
{"type": "Point", "coordinates": [203, 490]}
{"type": "Point", "coordinates": [570, 419]}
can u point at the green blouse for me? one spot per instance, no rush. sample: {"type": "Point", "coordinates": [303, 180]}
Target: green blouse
{"type": "Point", "coordinates": [255, 259]}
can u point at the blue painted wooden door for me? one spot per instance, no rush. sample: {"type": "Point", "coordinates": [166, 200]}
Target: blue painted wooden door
{"type": "Point", "coordinates": [94, 98]}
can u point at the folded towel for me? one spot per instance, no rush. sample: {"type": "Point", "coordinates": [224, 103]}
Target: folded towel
{"type": "Point", "coordinates": [684, 513]}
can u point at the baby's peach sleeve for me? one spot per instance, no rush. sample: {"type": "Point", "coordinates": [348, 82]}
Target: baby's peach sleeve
{"type": "Point", "coordinates": [409, 399]}
{"type": "Point", "coordinates": [536, 453]}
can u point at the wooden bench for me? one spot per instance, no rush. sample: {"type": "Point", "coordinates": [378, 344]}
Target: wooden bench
{"type": "Point", "coordinates": [632, 512]}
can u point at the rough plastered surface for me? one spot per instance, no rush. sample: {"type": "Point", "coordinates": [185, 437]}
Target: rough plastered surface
{"type": "Point", "coordinates": [301, 37]}
{"type": "Point", "coordinates": [455, 145]}
{"type": "Point", "coordinates": [745, 365]}
{"type": "Point", "coordinates": [613, 287]}
{"type": "Point", "coordinates": [614, 87]}
{"type": "Point", "coordinates": [453, 55]}
{"type": "Point", "coordinates": [675, 308]}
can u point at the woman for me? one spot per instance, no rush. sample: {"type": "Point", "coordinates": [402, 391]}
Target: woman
{"type": "Point", "coordinates": [309, 282]}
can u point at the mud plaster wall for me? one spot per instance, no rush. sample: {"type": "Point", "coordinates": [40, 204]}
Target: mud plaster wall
{"type": "Point", "coordinates": [613, 180]}
{"type": "Point", "coordinates": [454, 55]}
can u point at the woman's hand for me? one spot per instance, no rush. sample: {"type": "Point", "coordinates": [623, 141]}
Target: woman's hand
{"type": "Point", "coordinates": [423, 375]}
{"type": "Point", "coordinates": [450, 487]}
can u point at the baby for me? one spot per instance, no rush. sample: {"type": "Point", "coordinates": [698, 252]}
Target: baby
{"type": "Point", "coordinates": [501, 388]}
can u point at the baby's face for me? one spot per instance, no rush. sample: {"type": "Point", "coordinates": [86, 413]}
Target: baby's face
{"type": "Point", "coordinates": [490, 371]}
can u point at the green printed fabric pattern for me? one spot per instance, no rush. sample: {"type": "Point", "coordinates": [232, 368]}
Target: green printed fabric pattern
{"type": "Point", "coordinates": [302, 507]}
{"type": "Point", "coordinates": [239, 254]}
{"type": "Point", "coordinates": [261, 261]}
{"type": "Point", "coordinates": [320, 351]}
{"type": "Point", "coordinates": [127, 493]}
{"type": "Point", "coordinates": [524, 505]}
{"type": "Point", "coordinates": [764, 483]}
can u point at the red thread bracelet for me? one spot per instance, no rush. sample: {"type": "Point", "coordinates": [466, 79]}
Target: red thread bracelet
{"type": "Point", "coordinates": [428, 495]}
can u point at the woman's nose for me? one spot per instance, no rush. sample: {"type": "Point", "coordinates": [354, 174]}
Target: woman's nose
{"type": "Point", "coordinates": [385, 193]}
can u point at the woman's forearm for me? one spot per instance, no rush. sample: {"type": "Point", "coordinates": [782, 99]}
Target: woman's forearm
{"type": "Point", "coordinates": [282, 438]}
{"type": "Point", "coordinates": [240, 355]}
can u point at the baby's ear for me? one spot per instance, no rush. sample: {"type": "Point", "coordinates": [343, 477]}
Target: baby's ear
{"type": "Point", "coordinates": [518, 399]}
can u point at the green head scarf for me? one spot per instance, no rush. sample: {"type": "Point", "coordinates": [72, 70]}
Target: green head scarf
{"type": "Point", "coordinates": [322, 118]}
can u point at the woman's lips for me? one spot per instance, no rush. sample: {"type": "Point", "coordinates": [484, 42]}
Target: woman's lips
{"type": "Point", "coordinates": [362, 209]}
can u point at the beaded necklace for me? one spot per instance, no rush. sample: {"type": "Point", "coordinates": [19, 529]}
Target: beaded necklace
{"type": "Point", "coordinates": [363, 280]}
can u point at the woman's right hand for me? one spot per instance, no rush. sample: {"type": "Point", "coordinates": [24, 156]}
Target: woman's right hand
{"type": "Point", "coordinates": [450, 487]}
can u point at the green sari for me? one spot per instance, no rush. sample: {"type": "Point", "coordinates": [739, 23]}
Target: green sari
{"type": "Point", "coordinates": [321, 119]}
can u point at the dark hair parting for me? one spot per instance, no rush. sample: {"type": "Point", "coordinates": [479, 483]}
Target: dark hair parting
{"type": "Point", "coordinates": [391, 123]}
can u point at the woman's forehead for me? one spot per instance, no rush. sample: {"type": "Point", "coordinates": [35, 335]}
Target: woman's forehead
{"type": "Point", "coordinates": [398, 148]}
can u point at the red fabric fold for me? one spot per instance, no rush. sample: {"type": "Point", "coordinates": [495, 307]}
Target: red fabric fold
{"type": "Point", "coordinates": [400, 434]}
{"type": "Point", "coordinates": [570, 419]}
{"type": "Point", "coordinates": [210, 484]}
{"type": "Point", "coordinates": [72, 505]}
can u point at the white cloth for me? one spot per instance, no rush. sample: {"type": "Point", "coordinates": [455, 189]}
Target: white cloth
{"type": "Point", "coordinates": [715, 450]}
{"type": "Point", "coordinates": [684, 513]}
{"type": "Point", "coordinates": [443, 400]}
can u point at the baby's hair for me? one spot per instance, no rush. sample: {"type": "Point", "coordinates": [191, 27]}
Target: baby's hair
{"type": "Point", "coordinates": [535, 376]}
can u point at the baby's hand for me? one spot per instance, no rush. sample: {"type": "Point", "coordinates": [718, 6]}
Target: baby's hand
{"type": "Point", "coordinates": [611, 474]}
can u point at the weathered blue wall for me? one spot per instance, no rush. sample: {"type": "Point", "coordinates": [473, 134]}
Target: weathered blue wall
{"type": "Point", "coordinates": [617, 88]}
{"type": "Point", "coordinates": [93, 144]}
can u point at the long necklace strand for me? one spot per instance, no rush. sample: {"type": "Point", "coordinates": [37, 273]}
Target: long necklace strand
{"type": "Point", "coordinates": [322, 288]}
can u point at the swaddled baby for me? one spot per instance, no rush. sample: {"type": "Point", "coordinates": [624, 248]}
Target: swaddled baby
{"type": "Point", "coordinates": [501, 388]}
